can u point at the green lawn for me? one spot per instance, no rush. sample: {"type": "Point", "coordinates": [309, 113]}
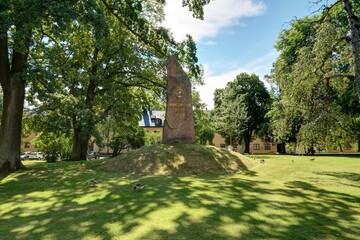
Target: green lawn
{"type": "Point", "coordinates": [287, 197]}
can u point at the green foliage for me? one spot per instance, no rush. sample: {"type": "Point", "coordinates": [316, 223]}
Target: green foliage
{"type": "Point", "coordinates": [204, 131]}
{"type": "Point", "coordinates": [196, 6]}
{"type": "Point", "coordinates": [187, 55]}
{"type": "Point", "coordinates": [109, 62]}
{"type": "Point", "coordinates": [121, 132]}
{"type": "Point", "coordinates": [316, 98]}
{"type": "Point", "coordinates": [206, 136]}
{"type": "Point", "coordinates": [285, 122]}
{"type": "Point", "coordinates": [19, 22]}
{"type": "Point", "coordinates": [152, 138]}
{"type": "Point", "coordinates": [54, 146]}
{"type": "Point", "coordinates": [89, 59]}
{"type": "Point", "coordinates": [240, 109]}
{"type": "Point", "coordinates": [136, 137]}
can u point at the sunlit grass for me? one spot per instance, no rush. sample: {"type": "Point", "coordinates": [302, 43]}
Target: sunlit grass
{"type": "Point", "coordinates": [286, 197]}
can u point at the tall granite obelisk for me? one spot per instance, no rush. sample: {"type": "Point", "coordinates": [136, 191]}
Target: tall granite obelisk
{"type": "Point", "coordinates": [179, 119]}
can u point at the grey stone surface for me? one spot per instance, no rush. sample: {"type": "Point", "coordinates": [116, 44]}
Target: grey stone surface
{"type": "Point", "coordinates": [179, 119]}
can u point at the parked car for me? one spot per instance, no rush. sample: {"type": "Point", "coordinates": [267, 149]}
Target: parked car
{"type": "Point", "coordinates": [24, 156]}
{"type": "Point", "coordinates": [41, 155]}
{"type": "Point", "coordinates": [98, 155]}
{"type": "Point", "coordinates": [35, 156]}
{"type": "Point", "coordinates": [91, 155]}
{"type": "Point", "coordinates": [104, 155]}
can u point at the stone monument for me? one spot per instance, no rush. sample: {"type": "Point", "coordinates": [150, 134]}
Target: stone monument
{"type": "Point", "coordinates": [179, 119]}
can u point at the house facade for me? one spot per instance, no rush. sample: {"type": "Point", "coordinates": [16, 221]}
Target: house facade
{"type": "Point", "coordinates": [27, 145]}
{"type": "Point", "coordinates": [257, 146]}
{"type": "Point", "coordinates": [152, 121]}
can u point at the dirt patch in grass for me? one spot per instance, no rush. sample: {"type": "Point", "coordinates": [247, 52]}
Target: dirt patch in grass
{"type": "Point", "coordinates": [180, 158]}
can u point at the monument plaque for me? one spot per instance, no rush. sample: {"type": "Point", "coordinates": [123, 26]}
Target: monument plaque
{"type": "Point", "coordinates": [179, 119]}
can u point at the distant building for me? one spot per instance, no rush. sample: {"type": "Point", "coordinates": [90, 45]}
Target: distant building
{"type": "Point", "coordinates": [27, 145]}
{"type": "Point", "coordinates": [257, 146]}
{"type": "Point", "coordinates": [152, 120]}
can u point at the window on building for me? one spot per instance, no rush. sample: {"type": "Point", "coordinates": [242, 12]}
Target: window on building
{"type": "Point", "coordinates": [256, 146]}
{"type": "Point", "coordinates": [158, 122]}
{"type": "Point", "coordinates": [91, 147]}
{"type": "Point", "coordinates": [153, 119]}
{"type": "Point", "coordinates": [267, 147]}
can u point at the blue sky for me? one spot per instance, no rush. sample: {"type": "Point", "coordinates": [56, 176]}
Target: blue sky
{"type": "Point", "coordinates": [235, 36]}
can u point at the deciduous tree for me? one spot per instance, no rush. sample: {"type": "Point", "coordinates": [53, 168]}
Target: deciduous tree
{"type": "Point", "coordinates": [204, 131]}
{"type": "Point", "coordinates": [28, 25]}
{"type": "Point", "coordinates": [240, 109]}
{"type": "Point", "coordinates": [316, 68]}
{"type": "Point", "coordinates": [18, 21]}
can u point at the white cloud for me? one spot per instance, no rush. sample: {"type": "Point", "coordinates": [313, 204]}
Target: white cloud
{"type": "Point", "coordinates": [218, 14]}
{"type": "Point", "coordinates": [213, 82]}
{"type": "Point", "coordinates": [209, 43]}
{"type": "Point", "coordinates": [260, 66]}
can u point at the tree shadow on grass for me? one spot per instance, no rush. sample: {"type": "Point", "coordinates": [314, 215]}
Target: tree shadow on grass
{"type": "Point", "coordinates": [3, 175]}
{"type": "Point", "coordinates": [351, 176]}
{"type": "Point", "coordinates": [326, 212]}
{"type": "Point", "coordinates": [57, 203]}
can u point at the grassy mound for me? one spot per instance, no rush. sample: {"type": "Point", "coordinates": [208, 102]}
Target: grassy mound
{"type": "Point", "coordinates": [180, 158]}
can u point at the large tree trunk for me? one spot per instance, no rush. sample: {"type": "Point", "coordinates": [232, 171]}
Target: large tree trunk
{"type": "Point", "coordinates": [80, 143]}
{"type": "Point", "coordinates": [354, 24]}
{"type": "Point", "coordinates": [80, 146]}
{"type": "Point", "coordinates": [281, 148]}
{"type": "Point", "coordinates": [80, 138]}
{"type": "Point", "coordinates": [13, 87]}
{"type": "Point", "coordinates": [340, 147]}
{"type": "Point", "coordinates": [116, 151]}
{"type": "Point", "coordinates": [10, 130]}
{"type": "Point", "coordinates": [247, 140]}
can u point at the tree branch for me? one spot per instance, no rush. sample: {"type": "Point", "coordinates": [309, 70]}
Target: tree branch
{"type": "Point", "coordinates": [324, 8]}
{"type": "Point", "coordinates": [48, 35]}
{"type": "Point", "coordinates": [142, 38]}
{"type": "Point", "coordinates": [137, 75]}
{"type": "Point", "coordinates": [339, 75]}
{"type": "Point", "coordinates": [328, 53]}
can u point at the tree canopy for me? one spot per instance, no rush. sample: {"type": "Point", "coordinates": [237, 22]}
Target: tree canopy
{"type": "Point", "coordinates": [316, 79]}
{"type": "Point", "coordinates": [204, 131]}
{"type": "Point", "coordinates": [77, 57]}
{"type": "Point", "coordinates": [240, 109]}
